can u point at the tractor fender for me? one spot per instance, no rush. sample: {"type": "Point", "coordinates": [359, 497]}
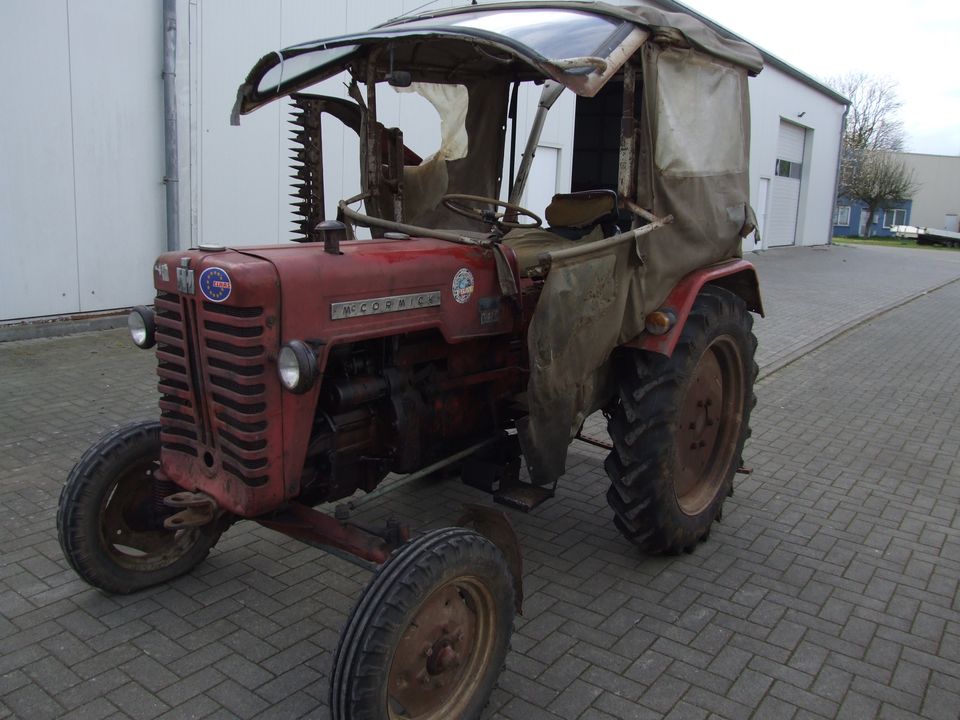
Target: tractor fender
{"type": "Point", "coordinates": [738, 276]}
{"type": "Point", "coordinates": [495, 526]}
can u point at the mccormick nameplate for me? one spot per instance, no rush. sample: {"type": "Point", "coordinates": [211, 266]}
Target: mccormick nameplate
{"type": "Point", "coordinates": [378, 306]}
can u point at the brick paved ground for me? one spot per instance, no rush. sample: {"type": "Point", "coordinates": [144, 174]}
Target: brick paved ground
{"type": "Point", "coordinates": [810, 291]}
{"type": "Point", "coordinates": [830, 590]}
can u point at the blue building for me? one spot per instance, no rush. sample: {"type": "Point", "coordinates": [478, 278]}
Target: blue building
{"type": "Point", "coordinates": [850, 218]}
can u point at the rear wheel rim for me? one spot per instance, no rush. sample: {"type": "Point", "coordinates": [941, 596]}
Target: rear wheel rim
{"type": "Point", "coordinates": [709, 424]}
{"type": "Point", "coordinates": [438, 662]}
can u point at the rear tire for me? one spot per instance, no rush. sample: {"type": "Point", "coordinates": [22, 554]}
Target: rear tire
{"type": "Point", "coordinates": [105, 521]}
{"type": "Point", "coordinates": [428, 638]}
{"type": "Point", "coordinates": [679, 426]}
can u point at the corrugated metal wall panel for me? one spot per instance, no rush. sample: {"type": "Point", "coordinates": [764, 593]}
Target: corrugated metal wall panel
{"type": "Point", "coordinates": [239, 198]}
{"type": "Point", "coordinates": [118, 151]}
{"type": "Point", "coordinates": [38, 239]}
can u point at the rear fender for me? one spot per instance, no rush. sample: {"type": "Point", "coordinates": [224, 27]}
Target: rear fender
{"type": "Point", "coordinates": [737, 276]}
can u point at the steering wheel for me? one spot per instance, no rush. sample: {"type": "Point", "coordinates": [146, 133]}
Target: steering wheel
{"type": "Point", "coordinates": [467, 205]}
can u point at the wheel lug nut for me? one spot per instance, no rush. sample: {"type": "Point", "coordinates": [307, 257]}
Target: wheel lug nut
{"type": "Point", "coordinates": [702, 444]}
{"type": "Point", "coordinates": [693, 426]}
{"type": "Point", "coordinates": [693, 446]}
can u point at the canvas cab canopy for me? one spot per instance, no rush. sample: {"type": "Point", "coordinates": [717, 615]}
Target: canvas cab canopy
{"type": "Point", "coordinates": [671, 88]}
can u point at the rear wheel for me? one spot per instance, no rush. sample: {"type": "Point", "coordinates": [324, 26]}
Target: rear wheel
{"type": "Point", "coordinates": [428, 637]}
{"type": "Point", "coordinates": [107, 519]}
{"type": "Point", "coordinates": [680, 425]}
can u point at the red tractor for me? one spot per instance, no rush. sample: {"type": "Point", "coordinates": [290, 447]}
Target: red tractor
{"type": "Point", "coordinates": [445, 326]}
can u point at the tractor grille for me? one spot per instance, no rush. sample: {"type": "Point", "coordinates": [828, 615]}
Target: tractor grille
{"type": "Point", "coordinates": [214, 384]}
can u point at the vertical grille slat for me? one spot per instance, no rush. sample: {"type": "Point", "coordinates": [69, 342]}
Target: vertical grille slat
{"type": "Point", "coordinates": [236, 371]}
{"type": "Point", "coordinates": [214, 383]}
{"type": "Point", "coordinates": [178, 416]}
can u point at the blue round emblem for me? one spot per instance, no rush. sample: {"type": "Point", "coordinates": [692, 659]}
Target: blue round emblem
{"type": "Point", "coordinates": [215, 284]}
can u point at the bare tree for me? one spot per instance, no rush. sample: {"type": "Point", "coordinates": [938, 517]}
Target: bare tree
{"type": "Point", "coordinates": [868, 171]}
{"type": "Point", "coordinates": [872, 121]}
{"type": "Point", "coordinates": [877, 179]}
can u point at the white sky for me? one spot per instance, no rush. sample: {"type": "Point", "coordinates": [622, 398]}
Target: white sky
{"type": "Point", "coordinates": [915, 44]}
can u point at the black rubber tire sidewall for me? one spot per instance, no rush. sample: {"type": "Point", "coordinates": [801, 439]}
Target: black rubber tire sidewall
{"type": "Point", "coordinates": [641, 467]}
{"type": "Point", "coordinates": [389, 602]}
{"type": "Point", "coordinates": [78, 513]}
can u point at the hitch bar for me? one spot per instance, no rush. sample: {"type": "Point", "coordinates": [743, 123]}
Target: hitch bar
{"type": "Point", "coordinates": [316, 528]}
{"type": "Point", "coordinates": [197, 509]}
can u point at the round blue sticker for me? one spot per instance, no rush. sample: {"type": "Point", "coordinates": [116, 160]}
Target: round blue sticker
{"type": "Point", "coordinates": [215, 284]}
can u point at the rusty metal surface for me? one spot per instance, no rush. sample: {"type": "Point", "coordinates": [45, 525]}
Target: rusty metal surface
{"type": "Point", "coordinates": [496, 527]}
{"type": "Point", "coordinates": [627, 171]}
{"type": "Point", "coordinates": [196, 509]}
{"type": "Point", "coordinates": [219, 394]}
{"type": "Point", "coordinates": [317, 528]}
{"type": "Point", "coordinates": [680, 301]}
{"type": "Point", "coordinates": [307, 166]}
{"type": "Point", "coordinates": [431, 660]}
{"type": "Point", "coordinates": [708, 425]}
{"type": "Point", "coordinates": [594, 441]}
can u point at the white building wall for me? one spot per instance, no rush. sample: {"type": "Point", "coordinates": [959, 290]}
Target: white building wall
{"type": "Point", "coordinates": [81, 158]}
{"type": "Point", "coordinates": [938, 188]}
{"type": "Point", "coordinates": [775, 95]}
{"type": "Point", "coordinates": [81, 155]}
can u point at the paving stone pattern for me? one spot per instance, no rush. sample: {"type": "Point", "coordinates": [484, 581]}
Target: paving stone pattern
{"type": "Point", "coordinates": [829, 590]}
{"type": "Point", "coordinates": [807, 292]}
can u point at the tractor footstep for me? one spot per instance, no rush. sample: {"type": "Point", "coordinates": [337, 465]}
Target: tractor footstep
{"type": "Point", "coordinates": [522, 496]}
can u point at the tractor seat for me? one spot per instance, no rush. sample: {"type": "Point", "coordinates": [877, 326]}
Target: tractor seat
{"type": "Point", "coordinates": [573, 215]}
{"type": "Point", "coordinates": [573, 218]}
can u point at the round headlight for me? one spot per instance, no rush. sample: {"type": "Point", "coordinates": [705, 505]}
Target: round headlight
{"type": "Point", "coordinates": [297, 366]}
{"type": "Point", "coordinates": [142, 327]}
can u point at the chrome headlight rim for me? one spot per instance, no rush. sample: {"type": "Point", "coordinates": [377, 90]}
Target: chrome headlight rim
{"type": "Point", "coordinates": [142, 324]}
{"type": "Point", "coordinates": [297, 367]}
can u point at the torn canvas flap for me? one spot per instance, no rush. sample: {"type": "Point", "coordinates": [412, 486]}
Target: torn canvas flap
{"type": "Point", "coordinates": [579, 319]}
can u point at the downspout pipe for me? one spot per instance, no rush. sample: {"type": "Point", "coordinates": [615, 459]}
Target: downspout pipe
{"type": "Point", "coordinates": [171, 178]}
{"type": "Point", "coordinates": [836, 177]}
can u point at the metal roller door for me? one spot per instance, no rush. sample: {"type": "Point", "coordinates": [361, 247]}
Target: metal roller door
{"type": "Point", "coordinates": [785, 188]}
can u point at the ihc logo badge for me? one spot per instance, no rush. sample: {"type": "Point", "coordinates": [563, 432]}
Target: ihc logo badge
{"type": "Point", "coordinates": [463, 285]}
{"type": "Point", "coordinates": [215, 284]}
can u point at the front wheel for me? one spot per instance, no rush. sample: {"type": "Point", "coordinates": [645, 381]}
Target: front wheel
{"type": "Point", "coordinates": [107, 520]}
{"type": "Point", "coordinates": [428, 637]}
{"type": "Point", "coordinates": [680, 424]}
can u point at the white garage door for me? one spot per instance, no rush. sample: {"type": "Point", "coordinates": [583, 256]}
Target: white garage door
{"type": "Point", "coordinates": [785, 190]}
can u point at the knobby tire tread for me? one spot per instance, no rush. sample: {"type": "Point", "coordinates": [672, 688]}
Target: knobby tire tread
{"type": "Point", "coordinates": [642, 428]}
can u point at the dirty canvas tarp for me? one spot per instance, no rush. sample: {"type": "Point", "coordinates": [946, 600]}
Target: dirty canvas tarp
{"type": "Point", "coordinates": [593, 303]}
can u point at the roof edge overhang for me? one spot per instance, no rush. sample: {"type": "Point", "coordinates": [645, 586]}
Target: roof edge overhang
{"type": "Point", "coordinates": [768, 57]}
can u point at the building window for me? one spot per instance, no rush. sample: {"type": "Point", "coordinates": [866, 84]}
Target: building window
{"type": "Point", "coordinates": [894, 217]}
{"type": "Point", "coordinates": [786, 168]}
{"type": "Point", "coordinates": [841, 216]}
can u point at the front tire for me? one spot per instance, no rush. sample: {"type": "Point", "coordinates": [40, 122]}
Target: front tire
{"type": "Point", "coordinates": [679, 426]}
{"type": "Point", "coordinates": [428, 637]}
{"type": "Point", "coordinates": [106, 523]}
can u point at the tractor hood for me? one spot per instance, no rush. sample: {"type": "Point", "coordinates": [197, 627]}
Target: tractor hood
{"type": "Point", "coordinates": [386, 287]}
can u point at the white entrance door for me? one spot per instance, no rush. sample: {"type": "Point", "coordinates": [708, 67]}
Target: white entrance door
{"type": "Point", "coordinates": [785, 189]}
{"type": "Point", "coordinates": [763, 194]}
{"type": "Point", "coordinates": [951, 223]}
{"type": "Point", "coordinates": [542, 181]}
